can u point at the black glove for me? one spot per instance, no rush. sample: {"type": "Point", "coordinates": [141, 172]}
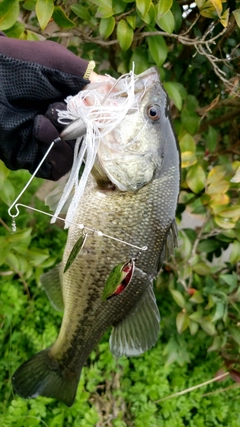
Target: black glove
{"type": "Point", "coordinates": [34, 75]}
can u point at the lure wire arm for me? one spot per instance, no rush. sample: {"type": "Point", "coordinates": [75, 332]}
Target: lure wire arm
{"type": "Point", "coordinates": [81, 226]}
{"type": "Point", "coordinates": [30, 180]}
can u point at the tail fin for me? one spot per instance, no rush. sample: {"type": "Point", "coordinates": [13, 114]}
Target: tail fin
{"type": "Point", "coordinates": [43, 375]}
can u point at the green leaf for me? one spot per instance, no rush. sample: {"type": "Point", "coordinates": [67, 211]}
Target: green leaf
{"type": "Point", "coordinates": [187, 143]}
{"type": "Point", "coordinates": [124, 34]}
{"type": "Point", "coordinates": [196, 316]}
{"type": "Point", "coordinates": [4, 172]}
{"type": "Point", "coordinates": [225, 223]}
{"type": "Point", "coordinates": [219, 311]}
{"type": "Point", "coordinates": [193, 327]}
{"type": "Point", "coordinates": [200, 3]}
{"type": "Point", "coordinates": [208, 327]}
{"type": "Point", "coordinates": [15, 31]}
{"type": "Point", "coordinates": [163, 7]}
{"type": "Point", "coordinates": [195, 178]}
{"type": "Point", "coordinates": [208, 245]}
{"type": "Point", "coordinates": [178, 298]}
{"type": "Point", "coordinates": [225, 18]}
{"type": "Point", "coordinates": [201, 268]}
{"type": "Point", "coordinates": [61, 18]}
{"type": "Point", "coordinates": [32, 36]}
{"type": "Point", "coordinates": [235, 334]}
{"type": "Point", "coordinates": [75, 251]}
{"type": "Point", "coordinates": [20, 236]}
{"type": "Point", "coordinates": [149, 18]}
{"type": "Point", "coordinates": [118, 6]}
{"type": "Point", "coordinates": [186, 245]}
{"type": "Point", "coordinates": [44, 11]}
{"type": "Point", "coordinates": [7, 192]}
{"type": "Point", "coordinates": [81, 11]}
{"type": "Point", "coordinates": [104, 12]}
{"type": "Point", "coordinates": [30, 5]}
{"type": "Point", "coordinates": [167, 22]}
{"type": "Point", "coordinates": [103, 3]}
{"type": "Point", "coordinates": [189, 118]}
{"type": "Point", "coordinates": [106, 27]}
{"type": "Point", "coordinates": [158, 49]}
{"type": "Point", "coordinates": [188, 159]}
{"type": "Point", "coordinates": [143, 6]}
{"type": "Point", "coordinates": [236, 14]}
{"type": "Point", "coordinates": [177, 13]}
{"type": "Point", "coordinates": [218, 6]}
{"type": "Point", "coordinates": [184, 270]}
{"type": "Point", "coordinates": [132, 21]}
{"type": "Point", "coordinates": [231, 212]}
{"type": "Point", "coordinates": [172, 89]}
{"type": "Point", "coordinates": [216, 344]}
{"type": "Point", "coordinates": [236, 177]}
{"type": "Point", "coordinates": [9, 11]}
{"type": "Point", "coordinates": [235, 252]}
{"type": "Point", "coordinates": [12, 261]}
{"type": "Point", "coordinates": [212, 138]}
{"type": "Point", "coordinates": [4, 249]}
{"type": "Point", "coordinates": [216, 174]}
{"type": "Point", "coordinates": [182, 322]}
{"type": "Point", "coordinates": [37, 256]}
{"type": "Point", "coordinates": [197, 298]}
{"type": "Point", "coordinates": [140, 58]}
{"type": "Point", "coordinates": [23, 265]}
{"type": "Point", "coordinates": [230, 279]}
{"type": "Point", "coordinates": [210, 13]}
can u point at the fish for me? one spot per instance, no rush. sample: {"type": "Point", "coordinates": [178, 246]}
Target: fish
{"type": "Point", "coordinates": [129, 203]}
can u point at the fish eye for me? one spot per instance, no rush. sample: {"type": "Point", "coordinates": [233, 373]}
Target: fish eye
{"type": "Point", "coordinates": [153, 112]}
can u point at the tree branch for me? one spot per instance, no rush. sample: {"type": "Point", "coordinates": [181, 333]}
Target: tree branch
{"type": "Point", "coordinates": [234, 103]}
{"type": "Point", "coordinates": [219, 120]}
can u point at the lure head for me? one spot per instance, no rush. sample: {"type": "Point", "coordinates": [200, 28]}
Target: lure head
{"type": "Point", "coordinates": [119, 279]}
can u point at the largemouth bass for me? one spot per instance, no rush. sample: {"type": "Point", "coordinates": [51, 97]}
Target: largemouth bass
{"type": "Point", "coordinates": [132, 196]}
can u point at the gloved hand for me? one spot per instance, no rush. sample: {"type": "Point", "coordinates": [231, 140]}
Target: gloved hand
{"type": "Point", "coordinates": [34, 76]}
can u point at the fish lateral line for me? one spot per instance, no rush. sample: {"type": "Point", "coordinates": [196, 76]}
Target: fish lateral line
{"type": "Point", "coordinates": [80, 226]}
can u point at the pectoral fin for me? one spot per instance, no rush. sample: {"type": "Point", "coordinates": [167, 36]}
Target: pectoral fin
{"type": "Point", "coordinates": [51, 283]}
{"type": "Point", "coordinates": [138, 332]}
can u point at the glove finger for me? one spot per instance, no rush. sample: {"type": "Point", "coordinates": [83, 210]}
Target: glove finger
{"type": "Point", "coordinates": [52, 114]}
{"type": "Point", "coordinates": [61, 155]}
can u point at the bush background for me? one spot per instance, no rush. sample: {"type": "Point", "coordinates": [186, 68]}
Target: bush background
{"type": "Point", "coordinates": [196, 48]}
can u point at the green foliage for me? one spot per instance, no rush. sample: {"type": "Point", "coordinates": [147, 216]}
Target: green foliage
{"type": "Point", "coordinates": [44, 11]}
{"type": "Point", "coordinates": [9, 10]}
{"type": "Point", "coordinates": [198, 290]}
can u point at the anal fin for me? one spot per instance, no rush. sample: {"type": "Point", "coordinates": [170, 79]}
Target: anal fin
{"type": "Point", "coordinates": [138, 332]}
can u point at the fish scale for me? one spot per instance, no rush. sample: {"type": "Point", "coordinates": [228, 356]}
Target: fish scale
{"type": "Point", "coordinates": [140, 210]}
